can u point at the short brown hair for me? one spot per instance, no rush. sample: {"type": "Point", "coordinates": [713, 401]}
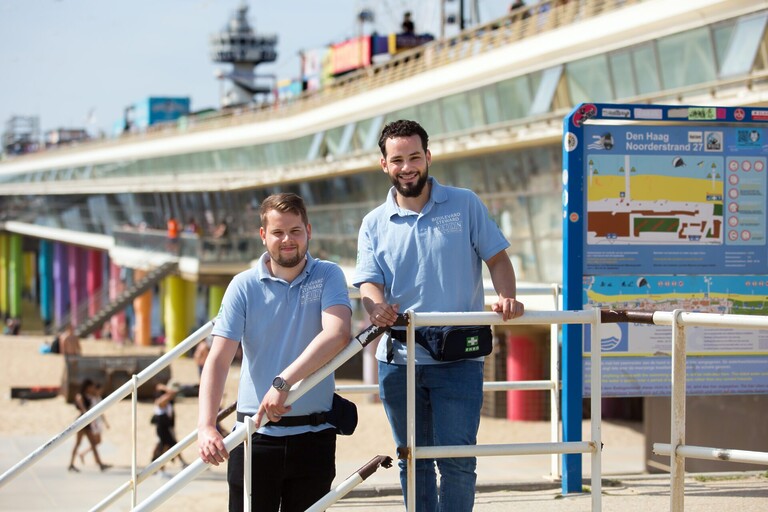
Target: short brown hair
{"type": "Point", "coordinates": [402, 128]}
{"type": "Point", "coordinates": [285, 202]}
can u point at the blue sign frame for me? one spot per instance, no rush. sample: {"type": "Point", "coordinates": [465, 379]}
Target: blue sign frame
{"type": "Point", "coordinates": [661, 201]}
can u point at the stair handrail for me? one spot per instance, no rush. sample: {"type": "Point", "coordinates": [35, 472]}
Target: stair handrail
{"type": "Point", "coordinates": [102, 294]}
{"type": "Point", "coordinates": [183, 478]}
{"type": "Point", "coordinates": [123, 391]}
{"type": "Point", "coordinates": [158, 463]}
{"type": "Point", "coordinates": [81, 308]}
{"type": "Point", "coordinates": [136, 289]}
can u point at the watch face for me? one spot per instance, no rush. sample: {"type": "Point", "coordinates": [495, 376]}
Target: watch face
{"type": "Point", "coordinates": [278, 383]}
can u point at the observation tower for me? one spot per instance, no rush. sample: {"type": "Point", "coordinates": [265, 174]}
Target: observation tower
{"type": "Point", "coordinates": [239, 45]}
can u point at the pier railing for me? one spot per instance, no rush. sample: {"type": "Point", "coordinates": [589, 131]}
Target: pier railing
{"type": "Point", "coordinates": [677, 449]}
{"type": "Point", "coordinates": [541, 17]}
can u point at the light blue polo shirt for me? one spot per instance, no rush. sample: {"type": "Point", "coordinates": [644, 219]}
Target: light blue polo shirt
{"type": "Point", "coordinates": [429, 261]}
{"type": "Point", "coordinates": [275, 321]}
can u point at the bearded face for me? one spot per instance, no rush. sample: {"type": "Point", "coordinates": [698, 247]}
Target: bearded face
{"type": "Point", "coordinates": [407, 165]}
{"type": "Point", "coordinates": [286, 238]}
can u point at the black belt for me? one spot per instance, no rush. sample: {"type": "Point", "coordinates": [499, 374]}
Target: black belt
{"type": "Point", "coordinates": [314, 419]}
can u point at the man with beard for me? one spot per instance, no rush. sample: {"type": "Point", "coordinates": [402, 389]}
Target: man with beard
{"type": "Point", "coordinates": [423, 250]}
{"type": "Point", "coordinates": [291, 314]}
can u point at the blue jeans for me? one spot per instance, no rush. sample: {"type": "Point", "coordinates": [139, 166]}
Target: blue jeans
{"type": "Point", "coordinates": [448, 402]}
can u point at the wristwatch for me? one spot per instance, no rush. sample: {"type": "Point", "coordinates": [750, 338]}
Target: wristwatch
{"type": "Point", "coordinates": [280, 384]}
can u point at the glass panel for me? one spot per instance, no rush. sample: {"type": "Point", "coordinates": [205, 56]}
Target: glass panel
{"type": "Point", "coordinates": [542, 101]}
{"type": "Point", "coordinates": [333, 139]}
{"type": "Point", "coordinates": [491, 104]}
{"type": "Point", "coordinates": [515, 98]}
{"type": "Point", "coordinates": [271, 155]}
{"type": "Point", "coordinates": [546, 215]}
{"type": "Point", "coordinates": [523, 260]}
{"type": "Point", "coordinates": [468, 173]}
{"type": "Point", "coordinates": [586, 80]}
{"type": "Point", "coordinates": [300, 148]}
{"type": "Point", "coordinates": [431, 118]}
{"type": "Point", "coordinates": [622, 75]}
{"type": "Point", "coordinates": [721, 35]}
{"type": "Point", "coordinates": [646, 69]}
{"type": "Point", "coordinates": [686, 58]}
{"type": "Point", "coordinates": [505, 171]}
{"type": "Point", "coordinates": [462, 112]}
{"type": "Point", "coordinates": [369, 131]}
{"type": "Point", "coordinates": [511, 214]}
{"type": "Point", "coordinates": [550, 253]}
{"type": "Point", "coordinates": [743, 46]}
{"type": "Point", "coordinates": [404, 113]}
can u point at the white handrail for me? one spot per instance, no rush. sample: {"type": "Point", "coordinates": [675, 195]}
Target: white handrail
{"type": "Point", "coordinates": [235, 438]}
{"type": "Point", "coordinates": [594, 446]}
{"type": "Point", "coordinates": [677, 449]}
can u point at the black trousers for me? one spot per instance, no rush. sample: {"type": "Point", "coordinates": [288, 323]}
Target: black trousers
{"type": "Point", "coordinates": [288, 474]}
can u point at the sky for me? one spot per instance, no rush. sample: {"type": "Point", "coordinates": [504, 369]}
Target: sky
{"type": "Point", "coordinates": [79, 63]}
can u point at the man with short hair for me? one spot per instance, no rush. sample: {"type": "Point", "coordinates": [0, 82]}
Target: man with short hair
{"type": "Point", "coordinates": [291, 314]}
{"type": "Point", "coordinates": [69, 342]}
{"type": "Point", "coordinates": [423, 250]}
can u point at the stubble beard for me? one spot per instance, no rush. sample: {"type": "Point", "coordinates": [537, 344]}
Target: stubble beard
{"type": "Point", "coordinates": [290, 262]}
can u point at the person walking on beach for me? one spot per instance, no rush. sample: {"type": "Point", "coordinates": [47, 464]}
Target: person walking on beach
{"type": "Point", "coordinates": [84, 402]}
{"type": "Point", "coordinates": [291, 314]}
{"type": "Point", "coordinates": [99, 424]}
{"type": "Point", "coordinates": [164, 420]}
{"type": "Point", "coordinates": [423, 249]}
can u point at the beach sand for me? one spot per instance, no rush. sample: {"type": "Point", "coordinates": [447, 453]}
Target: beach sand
{"type": "Point", "coordinates": [24, 420]}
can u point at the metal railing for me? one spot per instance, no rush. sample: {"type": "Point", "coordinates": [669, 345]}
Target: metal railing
{"type": "Point", "coordinates": [677, 449]}
{"type": "Point", "coordinates": [593, 446]}
{"type": "Point", "coordinates": [206, 249]}
{"type": "Point", "coordinates": [183, 478]}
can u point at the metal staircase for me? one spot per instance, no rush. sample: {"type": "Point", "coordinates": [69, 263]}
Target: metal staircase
{"type": "Point", "coordinates": [87, 325]}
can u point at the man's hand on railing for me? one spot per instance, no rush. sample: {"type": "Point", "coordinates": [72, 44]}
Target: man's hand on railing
{"type": "Point", "coordinates": [210, 445]}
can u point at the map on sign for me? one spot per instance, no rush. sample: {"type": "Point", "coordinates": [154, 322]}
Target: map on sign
{"type": "Point", "coordinates": [654, 200]}
{"type": "Point", "coordinates": [671, 199]}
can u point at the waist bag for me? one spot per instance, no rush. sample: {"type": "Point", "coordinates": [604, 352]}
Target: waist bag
{"type": "Point", "coordinates": [452, 343]}
{"type": "Point", "coordinates": [343, 416]}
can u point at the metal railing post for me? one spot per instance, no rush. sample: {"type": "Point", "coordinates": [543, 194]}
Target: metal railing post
{"type": "Point", "coordinates": [677, 431]}
{"type": "Point", "coordinates": [134, 438]}
{"type": "Point", "coordinates": [410, 388]}
{"type": "Point", "coordinates": [554, 393]}
{"type": "Point", "coordinates": [248, 463]}
{"type": "Point", "coordinates": [596, 412]}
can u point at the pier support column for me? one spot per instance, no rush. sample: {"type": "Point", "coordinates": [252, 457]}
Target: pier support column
{"type": "Point", "coordinates": [142, 307]}
{"type": "Point", "coordinates": [45, 276]}
{"type": "Point", "coordinates": [60, 283]}
{"type": "Point", "coordinates": [4, 243]}
{"type": "Point", "coordinates": [118, 327]}
{"type": "Point", "coordinates": [15, 275]}
{"type": "Point", "coordinates": [94, 273]}
{"type": "Point", "coordinates": [215, 296]}
{"type": "Point", "coordinates": [175, 310]}
{"type": "Point", "coordinates": [78, 294]}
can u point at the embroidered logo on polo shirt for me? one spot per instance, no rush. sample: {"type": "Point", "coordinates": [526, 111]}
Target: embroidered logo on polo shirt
{"type": "Point", "coordinates": [311, 291]}
{"type": "Point", "coordinates": [450, 223]}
